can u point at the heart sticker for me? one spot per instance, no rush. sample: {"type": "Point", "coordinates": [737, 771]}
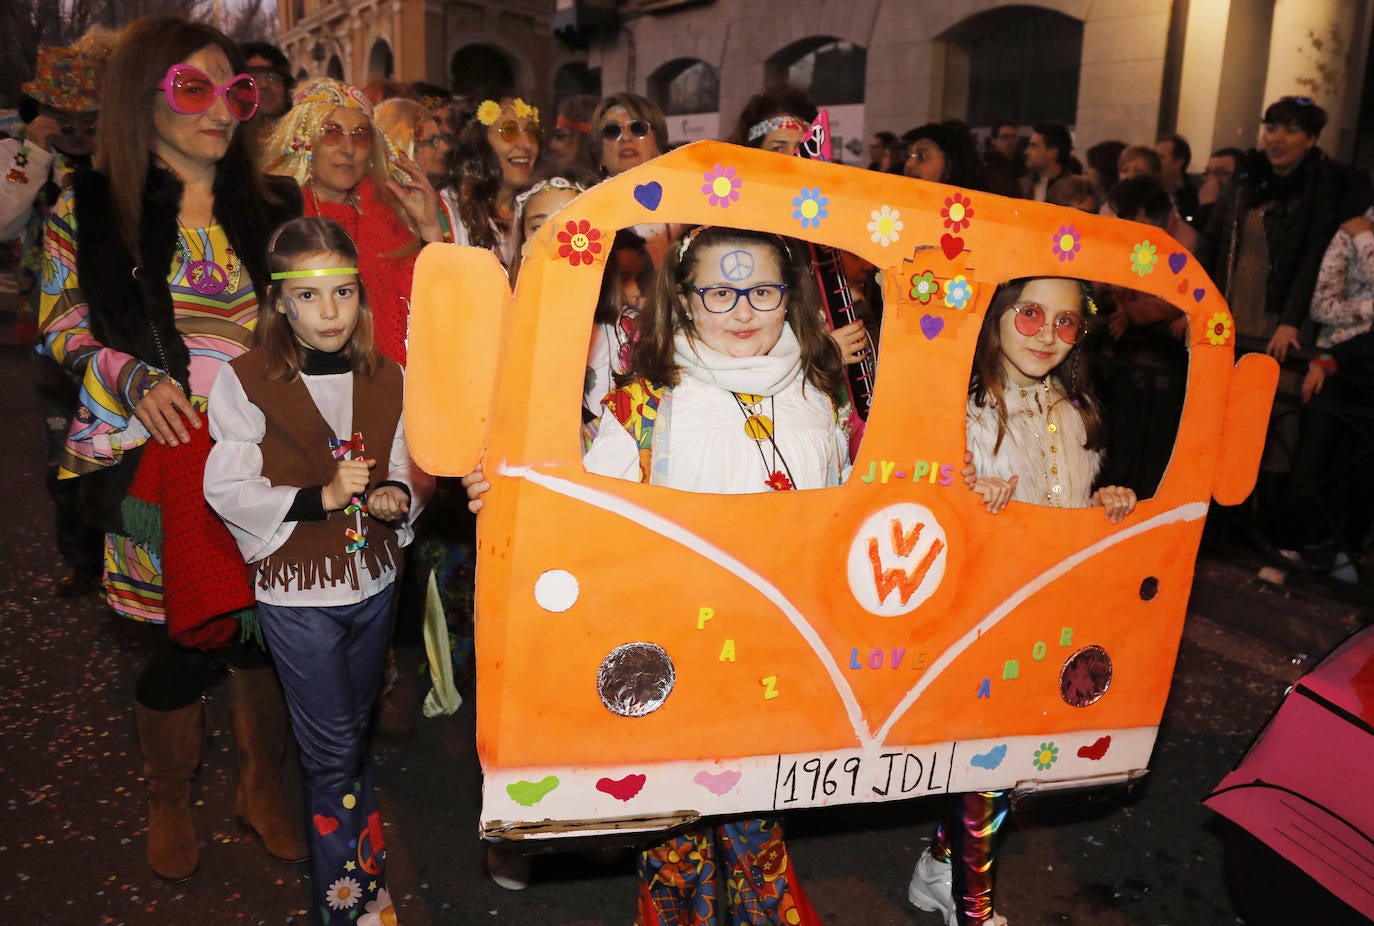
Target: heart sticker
{"type": "Point", "coordinates": [1198, 294]}
{"type": "Point", "coordinates": [1097, 750]}
{"type": "Point", "coordinates": [649, 195]}
{"type": "Point", "coordinates": [1182, 286]}
{"type": "Point", "coordinates": [624, 789]}
{"type": "Point", "coordinates": [1177, 261]}
{"type": "Point", "coordinates": [717, 782]}
{"type": "Point", "coordinates": [529, 793]}
{"type": "Point", "coordinates": [990, 759]}
{"type": "Point", "coordinates": [325, 825]}
{"type": "Point", "coordinates": [952, 245]}
{"type": "Point", "coordinates": [931, 325]}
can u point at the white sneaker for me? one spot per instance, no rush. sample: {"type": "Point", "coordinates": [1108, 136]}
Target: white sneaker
{"type": "Point", "coordinates": [932, 888]}
{"type": "Point", "coordinates": [510, 870]}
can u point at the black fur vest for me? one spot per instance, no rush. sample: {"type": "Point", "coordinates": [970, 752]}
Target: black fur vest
{"type": "Point", "coordinates": [130, 304]}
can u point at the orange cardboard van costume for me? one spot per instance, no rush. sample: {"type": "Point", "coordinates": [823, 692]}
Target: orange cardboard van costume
{"type": "Point", "coordinates": [646, 656]}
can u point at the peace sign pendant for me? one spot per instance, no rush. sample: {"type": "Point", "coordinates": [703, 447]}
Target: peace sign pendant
{"type": "Point", "coordinates": [206, 277]}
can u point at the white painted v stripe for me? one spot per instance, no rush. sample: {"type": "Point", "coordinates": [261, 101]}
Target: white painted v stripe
{"type": "Point", "coordinates": [717, 557]}
{"type": "Point", "coordinates": [614, 504]}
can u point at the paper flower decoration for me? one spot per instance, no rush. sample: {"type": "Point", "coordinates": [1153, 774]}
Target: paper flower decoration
{"type": "Point", "coordinates": [1219, 328]}
{"type": "Point", "coordinates": [957, 213]}
{"type": "Point", "coordinates": [1067, 242]}
{"type": "Point", "coordinates": [579, 243]}
{"type": "Point", "coordinates": [924, 286]}
{"type": "Point", "coordinates": [886, 226]}
{"type": "Point", "coordinates": [1144, 257]}
{"type": "Point", "coordinates": [721, 186]}
{"type": "Point", "coordinates": [958, 293]}
{"type": "Point", "coordinates": [524, 110]}
{"type": "Point", "coordinates": [1045, 756]}
{"type": "Point", "coordinates": [809, 207]}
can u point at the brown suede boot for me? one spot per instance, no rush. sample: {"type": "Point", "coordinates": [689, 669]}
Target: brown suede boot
{"type": "Point", "coordinates": [260, 726]}
{"type": "Point", "coordinates": [171, 752]}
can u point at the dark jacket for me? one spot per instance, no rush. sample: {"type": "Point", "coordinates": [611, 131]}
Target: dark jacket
{"type": "Point", "coordinates": [130, 303]}
{"type": "Point", "coordinates": [1304, 210]}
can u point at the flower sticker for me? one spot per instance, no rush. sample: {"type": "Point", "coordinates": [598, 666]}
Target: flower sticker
{"type": "Point", "coordinates": [579, 242]}
{"type": "Point", "coordinates": [1219, 328]}
{"type": "Point", "coordinates": [721, 186]}
{"type": "Point", "coordinates": [1067, 242]}
{"type": "Point", "coordinates": [343, 894]}
{"type": "Point", "coordinates": [886, 225]}
{"type": "Point", "coordinates": [957, 213]}
{"type": "Point", "coordinates": [958, 292]}
{"type": "Point", "coordinates": [924, 286]}
{"type": "Point", "coordinates": [1045, 756]}
{"type": "Point", "coordinates": [809, 207]}
{"type": "Point", "coordinates": [1144, 257]}
{"type": "Point", "coordinates": [378, 912]}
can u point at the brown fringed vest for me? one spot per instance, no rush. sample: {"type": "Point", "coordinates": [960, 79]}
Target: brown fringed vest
{"type": "Point", "coordinates": [296, 452]}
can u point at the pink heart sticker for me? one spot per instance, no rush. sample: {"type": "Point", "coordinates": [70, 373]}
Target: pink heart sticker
{"type": "Point", "coordinates": [717, 783]}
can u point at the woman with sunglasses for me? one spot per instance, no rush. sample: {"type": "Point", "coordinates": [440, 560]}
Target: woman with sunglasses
{"type": "Point", "coordinates": [155, 262]}
{"type": "Point", "coordinates": [416, 131]}
{"type": "Point", "coordinates": [349, 172]}
{"type": "Point", "coordinates": [634, 131]}
{"type": "Point", "coordinates": [1035, 434]}
{"type": "Point", "coordinates": [496, 153]}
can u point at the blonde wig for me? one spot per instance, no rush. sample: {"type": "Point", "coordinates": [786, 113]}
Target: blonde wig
{"type": "Point", "coordinates": [402, 121]}
{"type": "Point", "coordinates": [291, 148]}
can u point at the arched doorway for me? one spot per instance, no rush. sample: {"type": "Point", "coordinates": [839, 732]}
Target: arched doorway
{"type": "Point", "coordinates": [335, 68]}
{"type": "Point", "coordinates": [380, 62]}
{"type": "Point", "coordinates": [832, 72]}
{"type": "Point", "coordinates": [688, 92]}
{"type": "Point", "coordinates": [481, 67]}
{"type": "Point", "coordinates": [1016, 64]}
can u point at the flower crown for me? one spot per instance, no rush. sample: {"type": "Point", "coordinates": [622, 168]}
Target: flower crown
{"type": "Point", "coordinates": [490, 110]}
{"type": "Point", "coordinates": [552, 183]}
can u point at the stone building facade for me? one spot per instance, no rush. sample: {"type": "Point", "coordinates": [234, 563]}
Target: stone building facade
{"type": "Point", "coordinates": [1127, 69]}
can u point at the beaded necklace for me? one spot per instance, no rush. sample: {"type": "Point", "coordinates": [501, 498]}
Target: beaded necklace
{"type": "Point", "coordinates": [206, 275]}
{"type": "Point", "coordinates": [760, 429]}
{"type": "Point", "coordinates": [1049, 462]}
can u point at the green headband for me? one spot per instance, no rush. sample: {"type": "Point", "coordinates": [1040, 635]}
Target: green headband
{"type": "Point", "coordinates": [326, 272]}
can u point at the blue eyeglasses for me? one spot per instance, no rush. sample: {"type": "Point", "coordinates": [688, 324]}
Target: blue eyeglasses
{"type": "Point", "coordinates": [762, 297]}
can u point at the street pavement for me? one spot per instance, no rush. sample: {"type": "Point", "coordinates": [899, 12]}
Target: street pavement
{"type": "Point", "coordinates": [73, 836]}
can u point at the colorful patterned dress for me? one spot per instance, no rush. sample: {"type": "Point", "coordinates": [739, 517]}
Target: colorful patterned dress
{"type": "Point", "coordinates": [216, 329]}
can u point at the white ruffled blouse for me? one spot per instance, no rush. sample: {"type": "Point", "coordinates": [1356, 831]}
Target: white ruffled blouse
{"type": "Point", "coordinates": [699, 440]}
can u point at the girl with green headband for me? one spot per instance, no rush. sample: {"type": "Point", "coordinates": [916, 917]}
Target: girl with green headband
{"type": "Point", "coordinates": [301, 423]}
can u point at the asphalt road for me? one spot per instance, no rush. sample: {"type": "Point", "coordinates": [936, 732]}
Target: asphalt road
{"type": "Point", "coordinates": [72, 841]}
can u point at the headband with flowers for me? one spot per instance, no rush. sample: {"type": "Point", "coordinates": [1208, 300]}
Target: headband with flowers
{"type": "Point", "coordinates": [552, 183]}
{"type": "Point", "coordinates": [289, 148]}
{"type": "Point", "coordinates": [490, 110]}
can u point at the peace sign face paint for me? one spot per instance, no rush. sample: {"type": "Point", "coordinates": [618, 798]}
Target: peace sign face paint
{"type": "Point", "coordinates": [743, 331]}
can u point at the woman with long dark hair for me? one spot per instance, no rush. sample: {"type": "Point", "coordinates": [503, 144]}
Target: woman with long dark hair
{"type": "Point", "coordinates": [155, 262]}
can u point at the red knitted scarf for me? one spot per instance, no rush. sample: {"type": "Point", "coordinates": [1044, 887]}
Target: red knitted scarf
{"type": "Point", "coordinates": [377, 232]}
{"type": "Point", "coordinates": [205, 583]}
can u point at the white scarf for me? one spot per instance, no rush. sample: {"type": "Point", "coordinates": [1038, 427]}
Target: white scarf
{"type": "Point", "coordinates": [765, 374]}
